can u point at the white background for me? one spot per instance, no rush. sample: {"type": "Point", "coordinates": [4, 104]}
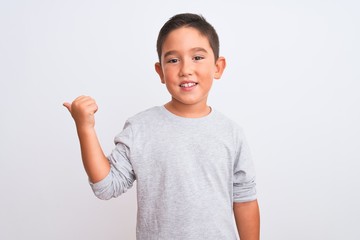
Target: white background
{"type": "Point", "coordinates": [292, 82]}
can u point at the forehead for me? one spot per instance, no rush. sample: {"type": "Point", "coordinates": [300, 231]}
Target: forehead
{"type": "Point", "coordinates": [185, 38]}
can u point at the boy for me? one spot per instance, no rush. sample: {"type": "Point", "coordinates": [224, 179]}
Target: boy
{"type": "Point", "coordinates": [192, 165]}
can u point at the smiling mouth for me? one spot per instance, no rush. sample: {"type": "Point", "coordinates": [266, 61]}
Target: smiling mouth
{"type": "Point", "coordinates": [187, 85]}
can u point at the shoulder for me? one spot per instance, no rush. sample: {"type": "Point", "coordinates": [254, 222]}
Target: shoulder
{"type": "Point", "coordinates": [145, 120]}
{"type": "Point", "coordinates": [139, 123]}
{"type": "Point", "coordinates": [224, 120]}
{"type": "Point", "coordinates": [228, 127]}
{"type": "Point", "coordinates": [145, 116]}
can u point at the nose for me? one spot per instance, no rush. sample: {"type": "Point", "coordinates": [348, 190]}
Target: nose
{"type": "Point", "coordinates": [186, 68]}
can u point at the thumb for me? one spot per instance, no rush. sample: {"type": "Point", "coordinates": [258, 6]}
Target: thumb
{"type": "Point", "coordinates": [67, 105]}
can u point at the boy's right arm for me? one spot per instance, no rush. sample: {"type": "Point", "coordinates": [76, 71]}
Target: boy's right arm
{"type": "Point", "coordinates": [96, 165]}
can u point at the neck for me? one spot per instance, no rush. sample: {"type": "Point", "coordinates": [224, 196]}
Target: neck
{"type": "Point", "coordinates": [188, 111]}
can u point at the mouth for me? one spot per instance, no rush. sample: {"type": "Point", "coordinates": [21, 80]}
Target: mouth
{"type": "Point", "coordinates": [188, 84]}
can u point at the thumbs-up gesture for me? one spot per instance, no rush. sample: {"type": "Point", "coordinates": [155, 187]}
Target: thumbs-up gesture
{"type": "Point", "coordinates": [82, 109]}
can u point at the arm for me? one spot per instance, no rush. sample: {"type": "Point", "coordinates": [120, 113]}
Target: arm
{"type": "Point", "coordinates": [247, 219]}
{"type": "Point", "coordinates": [96, 165]}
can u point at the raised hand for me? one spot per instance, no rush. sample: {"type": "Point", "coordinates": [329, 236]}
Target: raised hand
{"type": "Point", "coordinates": [82, 109]}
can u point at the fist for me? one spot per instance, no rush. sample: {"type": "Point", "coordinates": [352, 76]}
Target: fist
{"type": "Point", "coordinates": [82, 109]}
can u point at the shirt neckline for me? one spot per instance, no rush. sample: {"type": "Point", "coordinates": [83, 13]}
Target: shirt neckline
{"type": "Point", "coordinates": [186, 119]}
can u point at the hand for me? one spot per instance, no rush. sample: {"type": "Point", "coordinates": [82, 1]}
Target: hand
{"type": "Point", "coordinates": [82, 109]}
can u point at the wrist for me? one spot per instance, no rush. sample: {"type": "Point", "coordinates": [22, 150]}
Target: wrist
{"type": "Point", "coordinates": [85, 129]}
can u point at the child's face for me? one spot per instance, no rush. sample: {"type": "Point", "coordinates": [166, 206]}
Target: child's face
{"type": "Point", "coordinates": [188, 66]}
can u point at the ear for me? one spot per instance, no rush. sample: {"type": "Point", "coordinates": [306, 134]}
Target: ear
{"type": "Point", "coordinates": [159, 71]}
{"type": "Point", "coordinates": [220, 67]}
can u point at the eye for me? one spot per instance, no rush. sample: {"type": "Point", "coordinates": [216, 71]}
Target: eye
{"type": "Point", "coordinates": [173, 60]}
{"type": "Point", "coordinates": [198, 58]}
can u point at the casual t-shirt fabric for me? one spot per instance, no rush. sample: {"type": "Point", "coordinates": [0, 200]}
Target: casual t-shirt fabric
{"type": "Point", "coordinates": [189, 171]}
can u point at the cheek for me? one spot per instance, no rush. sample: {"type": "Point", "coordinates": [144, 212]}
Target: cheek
{"type": "Point", "coordinates": [207, 72]}
{"type": "Point", "coordinates": [169, 72]}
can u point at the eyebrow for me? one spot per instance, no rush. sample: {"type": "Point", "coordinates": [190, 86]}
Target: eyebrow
{"type": "Point", "coordinates": [196, 49]}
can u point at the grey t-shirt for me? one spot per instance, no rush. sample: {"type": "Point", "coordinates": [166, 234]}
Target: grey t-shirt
{"type": "Point", "coordinates": [189, 171]}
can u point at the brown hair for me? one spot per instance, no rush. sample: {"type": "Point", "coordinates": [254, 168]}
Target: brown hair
{"type": "Point", "coordinates": [189, 20]}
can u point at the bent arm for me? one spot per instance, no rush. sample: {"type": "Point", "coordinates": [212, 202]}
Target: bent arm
{"type": "Point", "coordinates": [96, 165]}
{"type": "Point", "coordinates": [95, 162]}
{"type": "Point", "coordinates": [247, 219]}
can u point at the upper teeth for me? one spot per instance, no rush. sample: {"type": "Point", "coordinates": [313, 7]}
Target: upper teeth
{"type": "Point", "coordinates": [187, 84]}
